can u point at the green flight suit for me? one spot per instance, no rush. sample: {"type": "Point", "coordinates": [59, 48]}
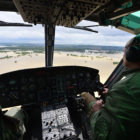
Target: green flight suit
{"type": "Point", "coordinates": [119, 118]}
{"type": "Point", "coordinates": [12, 124]}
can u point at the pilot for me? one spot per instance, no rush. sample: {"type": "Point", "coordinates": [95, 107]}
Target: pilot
{"type": "Point", "coordinates": [119, 117]}
{"type": "Point", "coordinates": [12, 124]}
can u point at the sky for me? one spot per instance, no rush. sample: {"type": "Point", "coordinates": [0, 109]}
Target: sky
{"type": "Point", "coordinates": [108, 36]}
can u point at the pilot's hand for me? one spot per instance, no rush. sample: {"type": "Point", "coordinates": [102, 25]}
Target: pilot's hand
{"type": "Point", "coordinates": [97, 105]}
{"type": "Point", "coordinates": [88, 97]}
{"type": "Point", "coordinates": [104, 91]}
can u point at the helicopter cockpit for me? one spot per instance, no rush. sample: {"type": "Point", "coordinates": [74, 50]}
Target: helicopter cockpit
{"type": "Point", "coordinates": [50, 95]}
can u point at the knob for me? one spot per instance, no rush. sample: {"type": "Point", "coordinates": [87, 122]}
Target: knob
{"type": "Point", "coordinates": [65, 136]}
{"type": "Point", "coordinates": [51, 122]}
{"type": "Point", "coordinates": [47, 123]}
{"type": "Point", "coordinates": [50, 129]}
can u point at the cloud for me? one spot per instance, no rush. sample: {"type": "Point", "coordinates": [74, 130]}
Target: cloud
{"type": "Point", "coordinates": [10, 17]}
{"type": "Point", "coordinates": [106, 36]}
{"type": "Point", "coordinates": [18, 32]}
{"type": "Point", "coordinates": [83, 37]}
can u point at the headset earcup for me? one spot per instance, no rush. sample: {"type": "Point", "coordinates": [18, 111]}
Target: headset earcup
{"type": "Point", "coordinates": [131, 54]}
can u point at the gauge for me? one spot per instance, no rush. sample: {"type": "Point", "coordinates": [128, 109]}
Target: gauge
{"type": "Point", "coordinates": [88, 75]}
{"type": "Point", "coordinates": [24, 88]}
{"type": "Point", "coordinates": [31, 80]}
{"type": "Point", "coordinates": [81, 74]}
{"type": "Point", "coordinates": [12, 82]}
{"type": "Point", "coordinates": [32, 87]}
{"type": "Point", "coordinates": [2, 86]}
{"type": "Point", "coordinates": [24, 80]}
{"type": "Point", "coordinates": [73, 76]}
{"type": "Point", "coordinates": [3, 94]}
{"type": "Point", "coordinates": [31, 96]}
{"type": "Point", "coordinates": [41, 82]}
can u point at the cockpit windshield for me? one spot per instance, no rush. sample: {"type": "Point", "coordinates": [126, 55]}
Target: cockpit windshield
{"type": "Point", "coordinates": [24, 47]}
{"type": "Point", "coordinates": [104, 58]}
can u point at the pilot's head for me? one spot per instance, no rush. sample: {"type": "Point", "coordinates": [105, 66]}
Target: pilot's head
{"type": "Point", "coordinates": [131, 58]}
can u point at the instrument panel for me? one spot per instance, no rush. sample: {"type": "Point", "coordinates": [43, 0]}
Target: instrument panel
{"type": "Point", "coordinates": [45, 84]}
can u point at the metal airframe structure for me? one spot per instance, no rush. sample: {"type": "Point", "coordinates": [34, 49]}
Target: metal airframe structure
{"type": "Point", "coordinates": [124, 15]}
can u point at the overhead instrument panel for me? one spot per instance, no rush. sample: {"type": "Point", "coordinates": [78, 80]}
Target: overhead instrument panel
{"type": "Point", "coordinates": [45, 84]}
{"type": "Point", "coordinates": [59, 12]}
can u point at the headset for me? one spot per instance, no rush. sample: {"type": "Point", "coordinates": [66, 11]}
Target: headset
{"type": "Point", "coordinates": [133, 50]}
{"type": "Point", "coordinates": [133, 54]}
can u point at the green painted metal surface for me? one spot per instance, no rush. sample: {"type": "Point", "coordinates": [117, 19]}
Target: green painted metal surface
{"type": "Point", "coordinates": [132, 21]}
